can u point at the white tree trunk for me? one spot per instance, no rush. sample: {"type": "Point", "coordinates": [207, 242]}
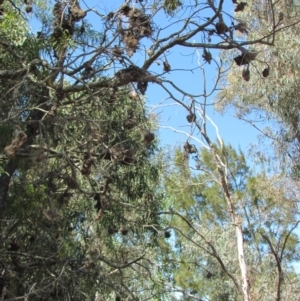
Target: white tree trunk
{"type": "Point", "coordinates": [243, 266]}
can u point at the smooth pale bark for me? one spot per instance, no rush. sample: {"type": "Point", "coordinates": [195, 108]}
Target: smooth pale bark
{"type": "Point", "coordinates": [243, 266]}
{"type": "Point", "coordinates": [222, 170]}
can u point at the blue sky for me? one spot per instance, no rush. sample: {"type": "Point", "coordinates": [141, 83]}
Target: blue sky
{"type": "Point", "coordinates": [186, 75]}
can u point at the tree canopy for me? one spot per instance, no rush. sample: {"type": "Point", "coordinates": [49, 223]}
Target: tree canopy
{"type": "Point", "coordinates": [91, 208]}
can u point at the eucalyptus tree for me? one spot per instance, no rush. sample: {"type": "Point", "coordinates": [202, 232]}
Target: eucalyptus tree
{"type": "Point", "coordinates": [207, 253]}
{"type": "Point", "coordinates": [79, 186]}
{"type": "Point", "coordinates": [266, 90]}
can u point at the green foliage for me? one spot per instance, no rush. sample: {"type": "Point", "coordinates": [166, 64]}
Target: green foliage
{"type": "Point", "coordinates": [13, 29]}
{"type": "Point", "coordinates": [84, 212]}
{"type": "Point", "coordinates": [205, 237]}
{"type": "Point", "coordinates": [6, 133]}
{"type": "Point", "coordinates": [171, 6]}
{"type": "Point", "coordinates": [269, 101]}
{"type": "Point", "coordinates": [83, 195]}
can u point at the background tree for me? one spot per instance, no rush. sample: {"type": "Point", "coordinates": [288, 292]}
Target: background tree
{"type": "Point", "coordinates": [207, 264]}
{"type": "Point", "coordinates": [267, 96]}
